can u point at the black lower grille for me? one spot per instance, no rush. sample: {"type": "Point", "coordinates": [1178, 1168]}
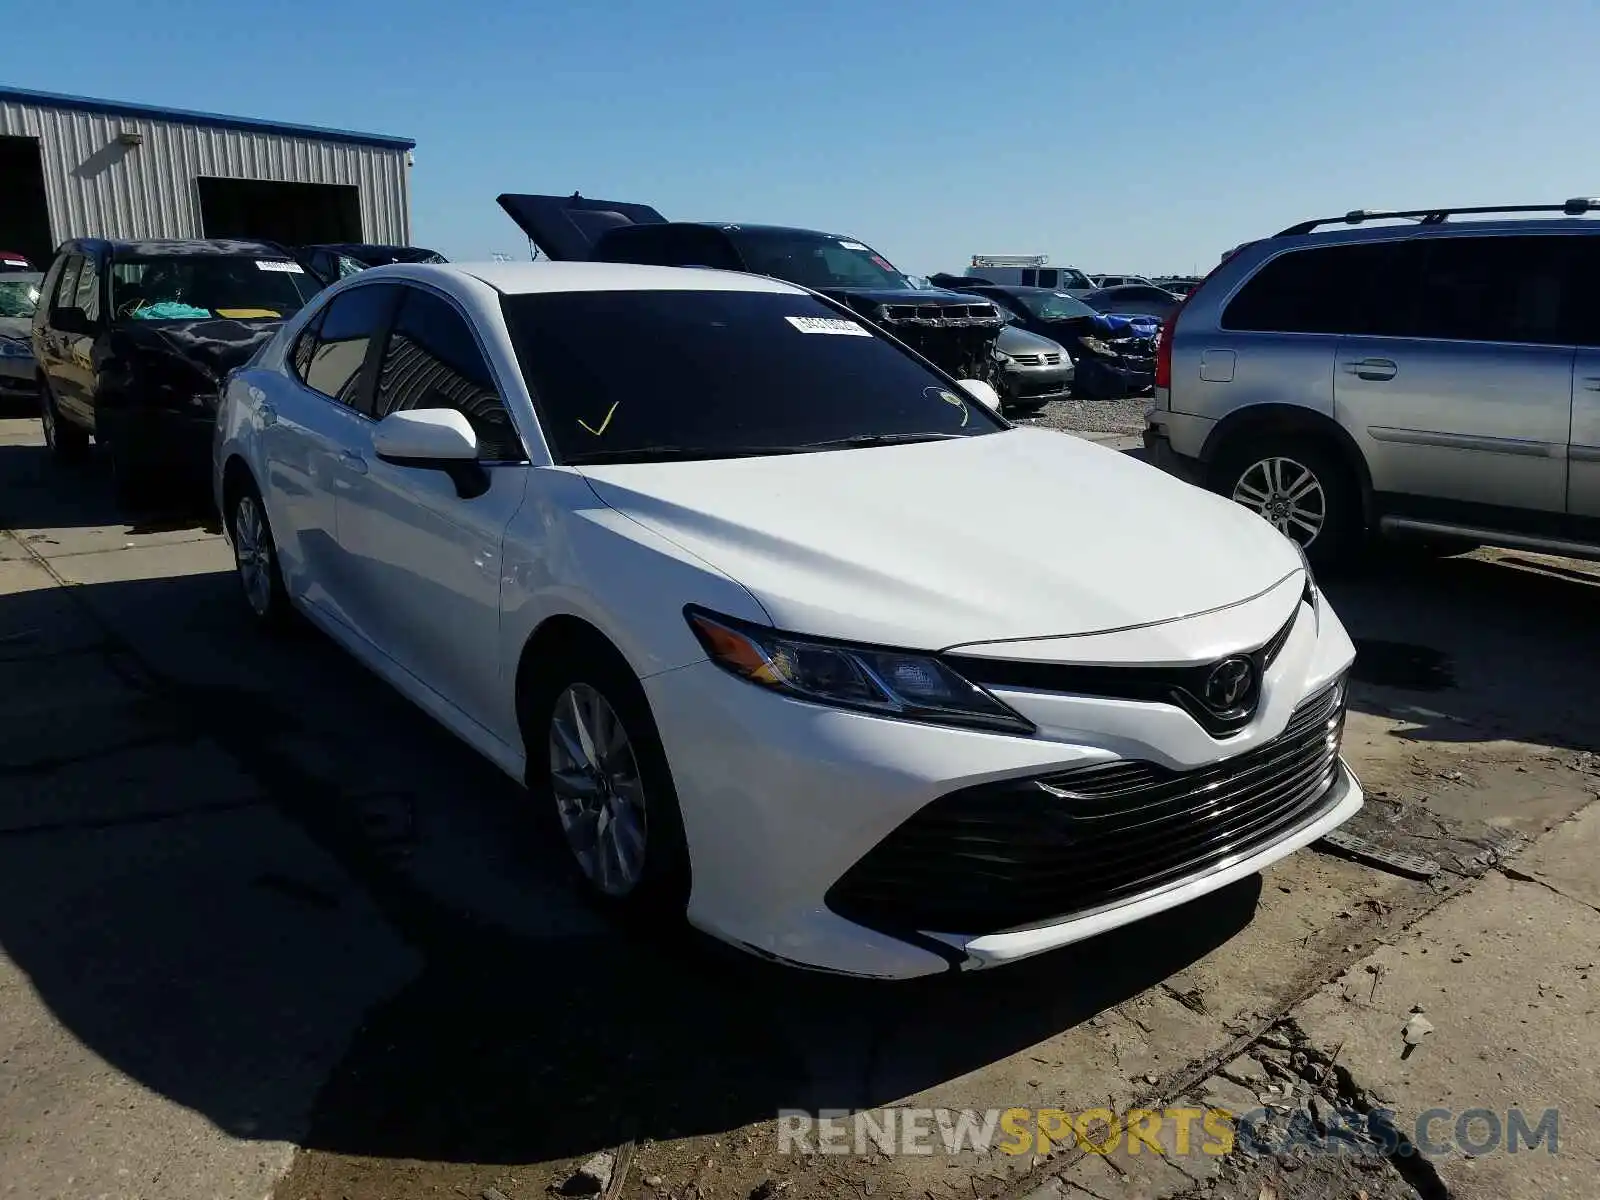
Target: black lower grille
{"type": "Point", "coordinates": [1025, 851]}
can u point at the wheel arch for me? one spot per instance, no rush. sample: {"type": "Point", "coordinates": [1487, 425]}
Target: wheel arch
{"type": "Point", "coordinates": [557, 634]}
{"type": "Point", "coordinates": [1290, 420]}
{"type": "Point", "coordinates": [236, 474]}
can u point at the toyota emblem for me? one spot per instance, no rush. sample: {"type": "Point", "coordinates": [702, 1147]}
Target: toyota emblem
{"type": "Point", "coordinates": [1230, 684]}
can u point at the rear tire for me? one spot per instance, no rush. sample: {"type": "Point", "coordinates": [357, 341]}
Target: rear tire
{"type": "Point", "coordinates": [596, 770]}
{"type": "Point", "coordinates": [66, 442]}
{"type": "Point", "coordinates": [1299, 485]}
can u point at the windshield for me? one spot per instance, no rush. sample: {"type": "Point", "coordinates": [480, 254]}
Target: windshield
{"type": "Point", "coordinates": [816, 260]}
{"type": "Point", "coordinates": [1056, 306]}
{"type": "Point", "coordinates": [176, 288]}
{"type": "Point", "coordinates": [19, 297]}
{"type": "Point", "coordinates": [1071, 278]}
{"type": "Point", "coordinates": [641, 375]}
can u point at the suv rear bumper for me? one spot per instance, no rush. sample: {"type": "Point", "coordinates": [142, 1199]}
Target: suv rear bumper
{"type": "Point", "coordinates": [1158, 448]}
{"type": "Point", "coordinates": [1176, 441]}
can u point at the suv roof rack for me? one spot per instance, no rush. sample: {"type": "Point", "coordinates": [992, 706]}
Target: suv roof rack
{"type": "Point", "coordinates": [1575, 207]}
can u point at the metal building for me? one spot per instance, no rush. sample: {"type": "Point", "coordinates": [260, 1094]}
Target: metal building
{"type": "Point", "coordinates": [71, 166]}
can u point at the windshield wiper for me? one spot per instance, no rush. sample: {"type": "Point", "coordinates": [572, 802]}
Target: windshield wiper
{"type": "Point", "coordinates": [669, 453]}
{"type": "Point", "coordinates": [879, 439]}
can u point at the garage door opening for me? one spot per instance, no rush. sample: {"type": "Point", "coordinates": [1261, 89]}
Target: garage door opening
{"type": "Point", "coordinates": [24, 213]}
{"type": "Point", "coordinates": [295, 214]}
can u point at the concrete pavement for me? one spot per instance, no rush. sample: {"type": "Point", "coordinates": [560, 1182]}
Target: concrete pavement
{"type": "Point", "coordinates": [251, 899]}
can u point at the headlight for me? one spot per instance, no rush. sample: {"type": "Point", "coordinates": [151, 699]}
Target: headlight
{"type": "Point", "coordinates": [891, 683]}
{"type": "Point", "coordinates": [1000, 356]}
{"type": "Point", "coordinates": [11, 349]}
{"type": "Point", "coordinates": [1095, 346]}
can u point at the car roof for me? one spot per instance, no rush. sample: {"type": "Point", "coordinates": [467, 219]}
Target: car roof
{"type": "Point", "coordinates": [523, 278]}
{"type": "Point", "coordinates": [179, 247]}
{"type": "Point", "coordinates": [1411, 229]}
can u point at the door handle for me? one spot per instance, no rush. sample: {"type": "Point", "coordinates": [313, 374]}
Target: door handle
{"type": "Point", "coordinates": [353, 462]}
{"type": "Point", "coordinates": [1377, 369]}
{"type": "Point", "coordinates": [1592, 383]}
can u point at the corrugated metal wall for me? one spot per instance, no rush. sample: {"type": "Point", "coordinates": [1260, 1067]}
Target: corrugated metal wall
{"type": "Point", "coordinates": [97, 187]}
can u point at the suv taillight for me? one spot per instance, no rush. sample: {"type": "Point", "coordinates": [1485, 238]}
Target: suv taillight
{"type": "Point", "coordinates": [1164, 348]}
{"type": "Point", "coordinates": [1164, 334]}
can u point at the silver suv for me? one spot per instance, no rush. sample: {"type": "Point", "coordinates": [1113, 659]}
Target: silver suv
{"type": "Point", "coordinates": [1436, 378]}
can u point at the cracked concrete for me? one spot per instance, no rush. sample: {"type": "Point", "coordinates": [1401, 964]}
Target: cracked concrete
{"type": "Point", "coordinates": [265, 902]}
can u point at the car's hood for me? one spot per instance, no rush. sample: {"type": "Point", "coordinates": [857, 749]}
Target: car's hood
{"type": "Point", "coordinates": [213, 346]}
{"type": "Point", "coordinates": [1019, 534]}
{"type": "Point", "coordinates": [16, 327]}
{"type": "Point", "coordinates": [1014, 339]}
{"type": "Point", "coordinates": [905, 295]}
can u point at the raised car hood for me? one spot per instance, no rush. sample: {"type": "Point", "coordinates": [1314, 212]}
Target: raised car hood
{"type": "Point", "coordinates": [566, 228]}
{"type": "Point", "coordinates": [1020, 534]}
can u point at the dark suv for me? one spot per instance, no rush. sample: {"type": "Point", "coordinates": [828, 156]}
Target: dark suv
{"type": "Point", "coordinates": [134, 339]}
{"type": "Point", "coordinates": [955, 332]}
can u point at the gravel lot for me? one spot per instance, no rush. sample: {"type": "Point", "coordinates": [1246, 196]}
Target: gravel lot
{"type": "Point", "coordinates": [1093, 416]}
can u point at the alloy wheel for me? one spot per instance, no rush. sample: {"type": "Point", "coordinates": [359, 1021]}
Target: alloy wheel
{"type": "Point", "coordinates": [594, 776]}
{"type": "Point", "coordinates": [1288, 494]}
{"type": "Point", "coordinates": [252, 550]}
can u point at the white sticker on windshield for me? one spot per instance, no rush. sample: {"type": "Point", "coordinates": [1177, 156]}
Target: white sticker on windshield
{"type": "Point", "coordinates": [852, 245]}
{"type": "Point", "coordinates": [274, 264]}
{"type": "Point", "coordinates": [827, 325]}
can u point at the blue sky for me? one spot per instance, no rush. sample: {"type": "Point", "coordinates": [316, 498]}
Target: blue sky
{"type": "Point", "coordinates": [1120, 137]}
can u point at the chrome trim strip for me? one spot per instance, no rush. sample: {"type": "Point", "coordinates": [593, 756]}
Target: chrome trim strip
{"type": "Point", "coordinates": [1580, 453]}
{"type": "Point", "coordinates": [1463, 441]}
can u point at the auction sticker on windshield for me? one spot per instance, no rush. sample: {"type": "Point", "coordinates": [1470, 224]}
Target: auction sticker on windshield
{"type": "Point", "coordinates": [852, 246]}
{"type": "Point", "coordinates": [827, 325]}
{"type": "Point", "coordinates": [273, 264]}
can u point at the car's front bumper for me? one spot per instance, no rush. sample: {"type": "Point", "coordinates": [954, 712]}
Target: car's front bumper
{"type": "Point", "coordinates": [18, 376]}
{"type": "Point", "coordinates": [1023, 382]}
{"type": "Point", "coordinates": [781, 799]}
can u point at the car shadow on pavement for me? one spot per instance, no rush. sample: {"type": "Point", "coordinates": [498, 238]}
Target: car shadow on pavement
{"type": "Point", "coordinates": [336, 925]}
{"type": "Point", "coordinates": [41, 493]}
{"type": "Point", "coordinates": [1474, 648]}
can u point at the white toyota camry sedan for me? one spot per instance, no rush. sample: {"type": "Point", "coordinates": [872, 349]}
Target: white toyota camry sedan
{"type": "Point", "coordinates": [714, 569]}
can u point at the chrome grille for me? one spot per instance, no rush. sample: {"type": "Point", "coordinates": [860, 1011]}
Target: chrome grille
{"type": "Point", "coordinates": [1026, 851]}
{"type": "Point", "coordinates": [1025, 360]}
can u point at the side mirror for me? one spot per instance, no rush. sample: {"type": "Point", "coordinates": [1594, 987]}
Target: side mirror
{"type": "Point", "coordinates": [979, 390]}
{"type": "Point", "coordinates": [425, 437]}
{"type": "Point", "coordinates": [438, 439]}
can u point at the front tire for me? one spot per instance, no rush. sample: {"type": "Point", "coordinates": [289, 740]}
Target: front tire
{"type": "Point", "coordinates": [598, 773]}
{"type": "Point", "coordinates": [66, 442]}
{"type": "Point", "coordinates": [1305, 490]}
{"type": "Point", "coordinates": [255, 559]}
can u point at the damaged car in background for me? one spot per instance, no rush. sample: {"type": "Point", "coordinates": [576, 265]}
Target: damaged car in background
{"type": "Point", "coordinates": [19, 300]}
{"type": "Point", "coordinates": [134, 339]}
{"type": "Point", "coordinates": [953, 331]}
{"type": "Point", "coordinates": [1033, 370]}
{"type": "Point", "coordinates": [1113, 356]}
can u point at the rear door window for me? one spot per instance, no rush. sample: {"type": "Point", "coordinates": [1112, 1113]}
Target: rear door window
{"type": "Point", "coordinates": [86, 296]}
{"type": "Point", "coordinates": [344, 335]}
{"type": "Point", "coordinates": [67, 284]}
{"type": "Point", "coordinates": [1360, 288]}
{"type": "Point", "coordinates": [1495, 289]}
